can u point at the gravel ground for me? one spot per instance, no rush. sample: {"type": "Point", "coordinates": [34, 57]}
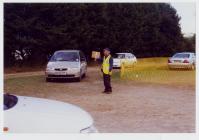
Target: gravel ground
{"type": "Point", "coordinates": [132, 107]}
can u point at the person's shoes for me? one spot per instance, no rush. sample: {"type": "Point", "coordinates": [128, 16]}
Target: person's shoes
{"type": "Point", "coordinates": [104, 91]}
{"type": "Point", "coordinates": [108, 91]}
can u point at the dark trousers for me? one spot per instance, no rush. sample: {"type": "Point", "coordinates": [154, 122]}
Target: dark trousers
{"type": "Point", "coordinates": [107, 82]}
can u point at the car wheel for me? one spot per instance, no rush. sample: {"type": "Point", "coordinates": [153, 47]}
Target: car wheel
{"type": "Point", "coordinates": [48, 80]}
{"type": "Point", "coordinates": [84, 75]}
{"type": "Point", "coordinates": [192, 66]}
{"type": "Point", "coordinates": [79, 79]}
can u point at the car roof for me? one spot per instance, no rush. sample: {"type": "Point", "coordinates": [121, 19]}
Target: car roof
{"type": "Point", "coordinates": [185, 52]}
{"type": "Point", "coordinates": [123, 53]}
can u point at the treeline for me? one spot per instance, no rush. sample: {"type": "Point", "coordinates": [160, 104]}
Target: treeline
{"type": "Point", "coordinates": [35, 31]}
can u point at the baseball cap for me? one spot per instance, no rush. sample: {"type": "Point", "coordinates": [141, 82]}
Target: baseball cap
{"type": "Point", "coordinates": [107, 49]}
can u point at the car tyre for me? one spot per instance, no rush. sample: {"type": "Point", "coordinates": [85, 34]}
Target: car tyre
{"type": "Point", "coordinates": [192, 67]}
{"type": "Point", "coordinates": [48, 80]}
{"type": "Point", "coordinates": [79, 78]}
{"type": "Point", "coordinates": [84, 75]}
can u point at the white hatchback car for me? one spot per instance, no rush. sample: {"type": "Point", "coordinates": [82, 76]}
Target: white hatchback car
{"type": "Point", "coordinates": [182, 60]}
{"type": "Point", "coordinates": [36, 115]}
{"type": "Point", "coordinates": [121, 57]}
{"type": "Point", "coordinates": [66, 64]}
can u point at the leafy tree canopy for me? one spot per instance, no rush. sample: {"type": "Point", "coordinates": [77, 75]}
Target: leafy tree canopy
{"type": "Point", "coordinates": [37, 30]}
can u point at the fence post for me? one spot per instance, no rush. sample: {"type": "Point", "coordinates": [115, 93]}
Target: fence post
{"type": "Point", "coordinates": [122, 70]}
{"type": "Point", "coordinates": [126, 67]}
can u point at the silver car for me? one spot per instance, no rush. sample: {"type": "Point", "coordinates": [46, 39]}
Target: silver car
{"type": "Point", "coordinates": [66, 64]}
{"type": "Point", "coordinates": [121, 57]}
{"type": "Point", "coordinates": [182, 60]}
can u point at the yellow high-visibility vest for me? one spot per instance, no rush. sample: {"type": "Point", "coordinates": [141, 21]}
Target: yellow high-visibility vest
{"type": "Point", "coordinates": [106, 65]}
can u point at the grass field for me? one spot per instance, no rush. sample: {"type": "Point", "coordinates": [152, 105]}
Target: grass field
{"type": "Point", "coordinates": [156, 71]}
{"type": "Point", "coordinates": [147, 70]}
{"type": "Point", "coordinates": [32, 84]}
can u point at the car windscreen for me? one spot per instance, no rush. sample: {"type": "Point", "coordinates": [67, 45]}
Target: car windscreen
{"type": "Point", "coordinates": [65, 56]}
{"type": "Point", "coordinates": [9, 101]}
{"type": "Point", "coordinates": [181, 55]}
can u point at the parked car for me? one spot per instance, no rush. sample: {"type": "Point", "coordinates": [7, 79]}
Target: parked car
{"type": "Point", "coordinates": [66, 64]}
{"type": "Point", "coordinates": [121, 57]}
{"type": "Point", "coordinates": [35, 115]}
{"type": "Point", "coordinates": [182, 60]}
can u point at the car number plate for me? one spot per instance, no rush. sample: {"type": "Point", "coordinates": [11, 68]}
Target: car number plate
{"type": "Point", "coordinates": [177, 61]}
{"type": "Point", "coordinates": [61, 73]}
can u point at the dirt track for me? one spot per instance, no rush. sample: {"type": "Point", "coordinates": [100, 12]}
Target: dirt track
{"type": "Point", "coordinates": [133, 107]}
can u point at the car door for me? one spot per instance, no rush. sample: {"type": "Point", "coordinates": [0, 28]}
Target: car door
{"type": "Point", "coordinates": [83, 62]}
{"type": "Point", "coordinates": [129, 58]}
{"type": "Point", "coordinates": [194, 58]}
{"type": "Point", "coordinates": [133, 58]}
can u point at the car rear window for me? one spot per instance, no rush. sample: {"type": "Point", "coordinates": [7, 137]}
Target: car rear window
{"type": "Point", "coordinates": [65, 56]}
{"type": "Point", "coordinates": [181, 55]}
{"type": "Point", "coordinates": [120, 56]}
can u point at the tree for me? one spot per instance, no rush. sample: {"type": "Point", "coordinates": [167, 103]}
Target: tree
{"type": "Point", "coordinates": [146, 29]}
{"type": "Point", "coordinates": [189, 43]}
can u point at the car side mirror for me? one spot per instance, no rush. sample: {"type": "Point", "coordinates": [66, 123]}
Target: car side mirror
{"type": "Point", "coordinates": [83, 59]}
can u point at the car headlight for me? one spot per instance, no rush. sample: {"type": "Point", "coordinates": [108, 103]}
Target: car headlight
{"type": "Point", "coordinates": [90, 129]}
{"type": "Point", "coordinates": [49, 68]}
{"type": "Point", "coordinates": [75, 69]}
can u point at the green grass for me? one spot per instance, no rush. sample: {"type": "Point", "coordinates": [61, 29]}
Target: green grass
{"type": "Point", "coordinates": [155, 71]}
{"type": "Point", "coordinates": [32, 84]}
{"type": "Point", "coordinates": [23, 83]}
{"type": "Point", "coordinates": [148, 70]}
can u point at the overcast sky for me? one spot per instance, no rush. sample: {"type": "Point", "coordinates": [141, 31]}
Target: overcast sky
{"type": "Point", "coordinates": [187, 12]}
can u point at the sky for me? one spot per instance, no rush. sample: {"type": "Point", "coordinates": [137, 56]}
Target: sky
{"type": "Point", "coordinates": [187, 12]}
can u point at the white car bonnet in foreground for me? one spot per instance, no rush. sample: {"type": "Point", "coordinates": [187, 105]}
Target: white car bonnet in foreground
{"type": "Point", "coordinates": [35, 115]}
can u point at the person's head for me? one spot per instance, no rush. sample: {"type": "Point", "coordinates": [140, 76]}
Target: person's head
{"type": "Point", "coordinates": [106, 51]}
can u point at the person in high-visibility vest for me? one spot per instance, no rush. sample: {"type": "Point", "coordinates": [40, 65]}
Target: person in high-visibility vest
{"type": "Point", "coordinates": [106, 69]}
